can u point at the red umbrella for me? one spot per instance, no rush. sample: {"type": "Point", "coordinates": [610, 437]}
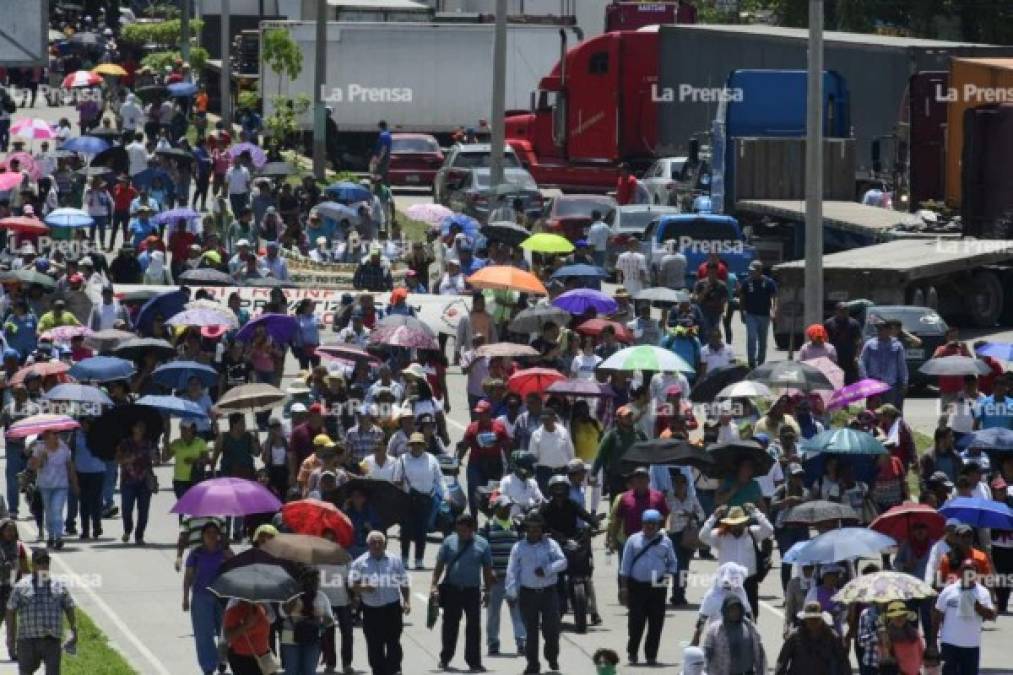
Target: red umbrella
{"type": "Point", "coordinates": [43, 369]}
{"type": "Point", "coordinates": [897, 521]}
{"type": "Point", "coordinates": [23, 225]}
{"type": "Point", "coordinates": [595, 327]}
{"type": "Point", "coordinates": [312, 516]}
{"type": "Point", "coordinates": [533, 380]}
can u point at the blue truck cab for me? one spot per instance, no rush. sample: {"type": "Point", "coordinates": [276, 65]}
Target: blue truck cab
{"type": "Point", "coordinates": [696, 235]}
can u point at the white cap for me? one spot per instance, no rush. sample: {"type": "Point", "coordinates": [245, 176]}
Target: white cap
{"type": "Point", "coordinates": [321, 240]}
{"type": "Point", "coordinates": [243, 242]}
{"type": "Point", "coordinates": [298, 408]}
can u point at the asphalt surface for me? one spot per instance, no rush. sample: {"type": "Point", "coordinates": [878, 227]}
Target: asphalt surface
{"type": "Point", "coordinates": [135, 595]}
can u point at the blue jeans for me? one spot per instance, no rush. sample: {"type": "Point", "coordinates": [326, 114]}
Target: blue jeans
{"type": "Point", "coordinates": [300, 659]}
{"type": "Point", "coordinates": [238, 201]}
{"type": "Point", "coordinates": [757, 329]}
{"type": "Point", "coordinates": [15, 465]}
{"type": "Point", "coordinates": [959, 660]}
{"type": "Point", "coordinates": [497, 594]}
{"type": "Point", "coordinates": [100, 225]}
{"type": "Point", "coordinates": [109, 485]}
{"type": "Point", "coordinates": [53, 502]}
{"type": "Point", "coordinates": [135, 493]}
{"type": "Point", "coordinates": [206, 619]}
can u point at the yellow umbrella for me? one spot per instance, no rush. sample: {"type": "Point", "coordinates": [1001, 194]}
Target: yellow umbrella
{"type": "Point", "coordinates": [545, 242]}
{"type": "Point", "coordinates": [109, 69]}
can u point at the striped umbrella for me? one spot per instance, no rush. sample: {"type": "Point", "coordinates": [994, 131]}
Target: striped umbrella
{"type": "Point", "coordinates": [34, 128]}
{"type": "Point", "coordinates": [37, 424]}
{"type": "Point", "coordinates": [81, 78]}
{"type": "Point", "coordinates": [66, 333]}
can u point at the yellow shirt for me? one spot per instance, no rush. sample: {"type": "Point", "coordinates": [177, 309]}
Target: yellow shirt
{"type": "Point", "coordinates": [586, 436]}
{"type": "Point", "coordinates": [183, 451]}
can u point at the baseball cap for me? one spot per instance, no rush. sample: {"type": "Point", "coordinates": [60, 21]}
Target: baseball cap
{"type": "Point", "coordinates": [297, 408]}
{"type": "Point", "coordinates": [952, 523]}
{"type": "Point", "coordinates": [316, 409]}
{"type": "Point", "coordinates": [323, 441]}
{"type": "Point", "coordinates": [756, 265]}
{"type": "Point", "coordinates": [941, 478]}
{"type": "Point", "coordinates": [243, 242]}
{"type": "Point", "coordinates": [639, 471]}
{"type": "Point", "coordinates": [651, 516]}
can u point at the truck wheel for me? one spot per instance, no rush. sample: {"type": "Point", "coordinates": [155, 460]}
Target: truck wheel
{"type": "Point", "coordinates": [986, 299]}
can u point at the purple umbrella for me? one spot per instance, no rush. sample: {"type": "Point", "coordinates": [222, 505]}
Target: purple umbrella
{"type": "Point", "coordinates": [281, 327]}
{"type": "Point", "coordinates": [226, 497]}
{"type": "Point", "coordinates": [856, 392]}
{"type": "Point", "coordinates": [256, 153]}
{"type": "Point", "coordinates": [171, 216]}
{"type": "Point", "coordinates": [409, 337]}
{"type": "Point", "coordinates": [579, 300]}
{"type": "Point", "coordinates": [580, 388]}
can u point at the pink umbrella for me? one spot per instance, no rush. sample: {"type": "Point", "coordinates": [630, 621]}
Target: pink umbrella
{"type": "Point", "coordinates": [66, 333]}
{"type": "Point", "coordinates": [256, 153]}
{"type": "Point", "coordinates": [833, 373]}
{"type": "Point", "coordinates": [9, 180]}
{"type": "Point", "coordinates": [81, 78]}
{"type": "Point", "coordinates": [433, 214]}
{"type": "Point", "coordinates": [25, 163]}
{"type": "Point", "coordinates": [34, 128]}
{"type": "Point", "coordinates": [856, 392]}
{"type": "Point", "coordinates": [37, 424]}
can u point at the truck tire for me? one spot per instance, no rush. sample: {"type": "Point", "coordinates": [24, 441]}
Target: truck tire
{"type": "Point", "coordinates": [985, 295]}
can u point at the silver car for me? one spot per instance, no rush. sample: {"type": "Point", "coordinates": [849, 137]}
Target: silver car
{"type": "Point", "coordinates": [632, 221]}
{"type": "Point", "coordinates": [662, 178]}
{"type": "Point", "coordinates": [475, 199]}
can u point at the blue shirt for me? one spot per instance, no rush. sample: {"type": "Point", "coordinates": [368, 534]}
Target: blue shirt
{"type": "Point", "coordinates": [384, 143]}
{"type": "Point", "coordinates": [526, 557]}
{"type": "Point", "coordinates": [657, 562]}
{"type": "Point", "coordinates": [758, 295]}
{"type": "Point", "coordinates": [22, 333]}
{"type": "Point", "coordinates": [141, 230]}
{"type": "Point", "coordinates": [84, 460]}
{"type": "Point", "coordinates": [466, 570]}
{"type": "Point", "coordinates": [386, 573]}
{"type": "Point", "coordinates": [884, 360]}
{"type": "Point", "coordinates": [991, 413]}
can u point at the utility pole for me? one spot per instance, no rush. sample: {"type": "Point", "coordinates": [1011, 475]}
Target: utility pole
{"type": "Point", "coordinates": [498, 97]}
{"type": "Point", "coordinates": [226, 82]}
{"type": "Point", "coordinates": [184, 26]}
{"type": "Point", "coordinates": [814, 170]}
{"type": "Point", "coordinates": [319, 78]}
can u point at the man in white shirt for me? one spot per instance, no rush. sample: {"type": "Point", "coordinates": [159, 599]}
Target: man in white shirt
{"type": "Point", "coordinates": [938, 550]}
{"type": "Point", "coordinates": [476, 367]}
{"type": "Point", "coordinates": [960, 610]}
{"type": "Point", "coordinates": [131, 114]}
{"type": "Point", "coordinates": [272, 264]}
{"type": "Point", "coordinates": [552, 447]}
{"type": "Point", "coordinates": [452, 282]}
{"type": "Point", "coordinates": [238, 181]}
{"type": "Point", "coordinates": [520, 488]}
{"type": "Point", "coordinates": [598, 238]}
{"type": "Point", "coordinates": [137, 155]}
{"type": "Point", "coordinates": [632, 268]}
{"type": "Point", "coordinates": [355, 333]}
{"type": "Point", "coordinates": [672, 272]}
{"type": "Point", "coordinates": [734, 541]}
{"type": "Point", "coordinates": [715, 354]}
{"type": "Point", "coordinates": [322, 253]}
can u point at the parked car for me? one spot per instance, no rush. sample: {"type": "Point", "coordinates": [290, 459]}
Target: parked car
{"type": "Point", "coordinates": [922, 322]}
{"type": "Point", "coordinates": [475, 199]}
{"type": "Point", "coordinates": [662, 178]}
{"type": "Point", "coordinates": [632, 221]}
{"type": "Point", "coordinates": [696, 236]}
{"type": "Point", "coordinates": [459, 160]}
{"type": "Point", "coordinates": [414, 159]}
{"type": "Point", "coordinates": [570, 215]}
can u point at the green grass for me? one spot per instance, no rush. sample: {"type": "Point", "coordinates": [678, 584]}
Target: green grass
{"type": "Point", "coordinates": [94, 653]}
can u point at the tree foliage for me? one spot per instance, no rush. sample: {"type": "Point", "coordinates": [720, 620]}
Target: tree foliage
{"type": "Point", "coordinates": [281, 53]}
{"type": "Point", "coordinates": [157, 61]}
{"type": "Point", "coordinates": [161, 33]}
{"type": "Point", "coordinates": [283, 123]}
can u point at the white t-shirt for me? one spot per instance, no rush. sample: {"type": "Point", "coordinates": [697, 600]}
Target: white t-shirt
{"type": "Point", "coordinates": [717, 358]}
{"type": "Point", "coordinates": [598, 236]}
{"type": "Point", "coordinates": [374, 470]}
{"type": "Point", "coordinates": [769, 482]}
{"type": "Point", "coordinates": [583, 366]}
{"type": "Point", "coordinates": [551, 448]}
{"type": "Point", "coordinates": [238, 179]}
{"type": "Point", "coordinates": [138, 157]}
{"type": "Point", "coordinates": [633, 266]}
{"type": "Point", "coordinates": [961, 624]}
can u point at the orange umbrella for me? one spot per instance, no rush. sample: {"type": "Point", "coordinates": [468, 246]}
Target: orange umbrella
{"type": "Point", "coordinates": [507, 278]}
{"type": "Point", "coordinates": [596, 326]}
{"type": "Point", "coordinates": [533, 380]}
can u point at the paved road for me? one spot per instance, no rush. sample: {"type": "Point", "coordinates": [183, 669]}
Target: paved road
{"type": "Point", "coordinates": [135, 595]}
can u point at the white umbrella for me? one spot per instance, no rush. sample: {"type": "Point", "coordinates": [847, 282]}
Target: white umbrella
{"type": "Point", "coordinates": [744, 389]}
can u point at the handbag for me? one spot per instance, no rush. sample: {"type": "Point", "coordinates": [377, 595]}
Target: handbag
{"type": "Point", "coordinates": [689, 538]}
{"type": "Point", "coordinates": [764, 551]}
{"type": "Point", "coordinates": [266, 662]}
{"type": "Point", "coordinates": [151, 481]}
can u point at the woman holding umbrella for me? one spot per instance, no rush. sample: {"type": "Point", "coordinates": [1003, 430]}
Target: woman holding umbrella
{"type": "Point", "coordinates": [247, 628]}
{"type": "Point", "coordinates": [303, 621]}
{"type": "Point", "coordinates": [263, 354]}
{"type": "Point", "coordinates": [202, 565]}
{"type": "Point", "coordinates": [137, 480]}
{"type": "Point", "coordinates": [51, 460]}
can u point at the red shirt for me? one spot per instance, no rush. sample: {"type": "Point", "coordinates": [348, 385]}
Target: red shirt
{"type": "Point", "coordinates": [301, 442]}
{"type": "Point", "coordinates": [626, 189]}
{"type": "Point", "coordinates": [479, 450]}
{"type": "Point", "coordinates": [123, 194]}
{"type": "Point", "coordinates": [632, 507]}
{"type": "Point", "coordinates": [986, 383]}
{"type": "Point", "coordinates": [701, 271]}
{"type": "Point", "coordinates": [951, 384]}
{"type": "Point", "coordinates": [254, 641]}
{"type": "Point", "coordinates": [180, 245]}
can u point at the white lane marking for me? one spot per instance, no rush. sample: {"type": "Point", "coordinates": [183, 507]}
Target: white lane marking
{"type": "Point", "coordinates": [454, 423]}
{"type": "Point", "coordinates": [771, 607]}
{"type": "Point", "coordinates": [420, 597]}
{"type": "Point", "coordinates": [107, 610]}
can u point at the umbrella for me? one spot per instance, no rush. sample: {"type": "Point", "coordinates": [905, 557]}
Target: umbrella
{"type": "Point", "coordinates": [166, 305]}
{"type": "Point", "coordinates": [281, 327]}
{"type": "Point", "coordinates": [507, 278]}
{"type": "Point", "coordinates": [597, 325]}
{"type": "Point", "coordinates": [252, 397]}
{"type": "Point", "coordinates": [68, 217]}
{"type": "Point", "coordinates": [844, 544]}
{"type": "Point", "coordinates": [102, 369]}
{"type": "Point", "coordinates": [580, 388]}
{"type": "Point", "coordinates": [533, 380]}
{"type": "Point", "coordinates": [312, 516]}
{"type": "Point", "coordinates": [227, 497]}
{"type": "Point", "coordinates": [115, 424]}
{"type": "Point", "coordinates": [136, 348]}
{"type": "Point", "coordinates": [257, 582]}
{"type": "Point", "coordinates": [28, 277]}
{"type": "Point", "coordinates": [109, 69]}
{"type": "Point", "coordinates": [33, 128]}
{"type": "Point", "coordinates": [276, 170]}
{"type": "Point", "coordinates": [173, 405]}
{"type": "Point", "coordinates": [509, 350]}
{"type": "Point", "coordinates": [78, 393]}
{"type": "Point", "coordinates": [26, 163]}
{"type": "Point", "coordinates": [150, 92]}
{"type": "Point", "coordinates": [954, 366]}
{"type": "Point", "coordinates": [176, 374]}
{"type": "Point", "coordinates": [204, 317]}
{"type": "Point", "coordinates": [790, 374]}
{"type": "Point", "coordinates": [139, 296]}
{"type": "Point", "coordinates": [336, 212]}
{"type": "Point", "coordinates": [728, 456]}
{"type": "Point", "coordinates": [106, 340]}
{"type": "Point", "coordinates": [182, 89]}
{"type": "Point", "coordinates": [662, 296]}
{"type": "Point", "coordinates": [109, 135]}
{"type": "Point", "coordinates": [146, 178]}
{"type": "Point", "coordinates": [469, 226]}
{"type": "Point", "coordinates": [403, 331]}
{"type": "Point", "coordinates": [9, 180]}
{"type": "Point", "coordinates": [844, 441]}
{"type": "Point", "coordinates": [544, 242]}
{"type": "Point", "coordinates": [818, 511]}
{"type": "Point", "coordinates": [668, 451]}
{"type": "Point", "coordinates": [174, 215]}
{"type": "Point", "coordinates": [714, 384]}
{"type": "Point", "coordinates": [581, 300]}
{"type": "Point", "coordinates": [305, 549]}
{"type": "Point", "coordinates": [92, 171]}
{"type": "Point", "coordinates": [532, 320]}
{"type": "Point", "coordinates": [88, 145]}
{"type": "Point", "coordinates": [24, 225]}
{"type": "Point", "coordinates": [585, 271]}
{"type": "Point", "coordinates": [81, 78]}
{"type": "Point", "coordinates": [855, 392]}
{"type": "Point", "coordinates": [646, 357]}
{"type": "Point", "coordinates": [997, 350]}
{"type": "Point", "coordinates": [387, 499]}
{"type": "Point", "coordinates": [115, 158]}
{"type": "Point", "coordinates": [256, 153]}
{"type": "Point", "coordinates": [880, 588]}
{"type": "Point", "coordinates": [66, 333]}
{"type": "Point", "coordinates": [505, 232]}
{"type": "Point", "coordinates": [978, 512]}
{"type": "Point", "coordinates": [431, 214]}
{"type": "Point", "coordinates": [897, 521]}
{"type": "Point", "coordinates": [178, 154]}
{"type": "Point", "coordinates": [206, 276]}
{"type": "Point", "coordinates": [831, 370]}
{"type": "Point", "coordinates": [44, 369]}
{"type": "Point", "coordinates": [994, 439]}
{"type": "Point", "coordinates": [347, 352]}
{"type": "Point", "coordinates": [37, 424]}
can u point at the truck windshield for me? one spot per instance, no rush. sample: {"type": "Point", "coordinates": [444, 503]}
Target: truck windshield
{"type": "Point", "coordinates": [699, 229]}
{"type": "Point", "coordinates": [635, 220]}
{"type": "Point", "coordinates": [475, 160]}
{"type": "Point", "coordinates": [913, 320]}
{"type": "Point", "coordinates": [521, 181]}
{"type": "Point", "coordinates": [413, 145]}
{"type": "Point", "coordinates": [568, 208]}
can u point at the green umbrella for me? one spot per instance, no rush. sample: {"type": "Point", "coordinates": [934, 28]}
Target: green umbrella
{"type": "Point", "coordinates": [29, 277]}
{"type": "Point", "coordinates": [844, 442]}
{"type": "Point", "coordinates": [546, 242]}
{"type": "Point", "coordinates": [647, 357]}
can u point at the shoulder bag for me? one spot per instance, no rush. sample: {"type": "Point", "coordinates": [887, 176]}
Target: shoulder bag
{"type": "Point", "coordinates": [266, 662]}
{"type": "Point", "coordinates": [450, 566]}
{"type": "Point", "coordinates": [645, 549]}
{"type": "Point", "coordinates": [764, 551]}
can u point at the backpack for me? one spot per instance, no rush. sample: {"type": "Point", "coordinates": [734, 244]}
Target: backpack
{"type": "Point", "coordinates": [764, 551]}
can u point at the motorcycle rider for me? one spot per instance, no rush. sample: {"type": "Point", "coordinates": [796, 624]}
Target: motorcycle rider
{"type": "Point", "coordinates": [519, 486]}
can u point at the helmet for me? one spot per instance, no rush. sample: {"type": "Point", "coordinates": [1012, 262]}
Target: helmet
{"type": "Point", "coordinates": [521, 460]}
{"type": "Point", "coordinates": [557, 481]}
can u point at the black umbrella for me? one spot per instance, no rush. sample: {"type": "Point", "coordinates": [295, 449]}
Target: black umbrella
{"type": "Point", "coordinates": [256, 556]}
{"type": "Point", "coordinates": [532, 319]}
{"type": "Point", "coordinates": [151, 92]}
{"type": "Point", "coordinates": [791, 374]}
{"type": "Point", "coordinates": [708, 388]}
{"type": "Point", "coordinates": [276, 170]}
{"type": "Point", "coordinates": [257, 582]}
{"type": "Point", "coordinates": [506, 232]}
{"type": "Point", "coordinates": [728, 456]}
{"type": "Point", "coordinates": [670, 451]}
{"type": "Point", "coordinates": [177, 154]}
{"type": "Point", "coordinates": [114, 425]}
{"type": "Point", "coordinates": [207, 276]}
{"type": "Point", "coordinates": [136, 348]}
{"type": "Point", "coordinates": [115, 158]}
{"type": "Point", "coordinates": [106, 134]}
{"type": "Point", "coordinates": [388, 500]}
{"type": "Point", "coordinates": [140, 296]}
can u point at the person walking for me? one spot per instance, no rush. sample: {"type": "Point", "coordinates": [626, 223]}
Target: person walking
{"type": "Point", "coordinates": [737, 534]}
{"type": "Point", "coordinates": [419, 474]}
{"type": "Point", "coordinates": [732, 646]}
{"type": "Point", "coordinates": [813, 647]}
{"type": "Point", "coordinates": [382, 584]}
{"type": "Point", "coordinates": [34, 617]}
{"type": "Point", "coordinates": [883, 358]}
{"type": "Point", "coordinates": [304, 618]}
{"type": "Point", "coordinates": [52, 462]}
{"type": "Point", "coordinates": [247, 627]}
{"type": "Point", "coordinates": [532, 574]}
{"type": "Point", "coordinates": [91, 472]}
{"type": "Point", "coordinates": [961, 609]}
{"type": "Point", "coordinates": [202, 565]}
{"type": "Point", "coordinates": [467, 560]}
{"type": "Point", "coordinates": [758, 297]}
{"type": "Point", "coordinates": [501, 534]}
{"type": "Point", "coordinates": [648, 558]}
{"type": "Point", "coordinates": [135, 455]}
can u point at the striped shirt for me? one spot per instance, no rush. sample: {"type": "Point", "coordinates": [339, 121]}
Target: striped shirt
{"type": "Point", "coordinates": [501, 541]}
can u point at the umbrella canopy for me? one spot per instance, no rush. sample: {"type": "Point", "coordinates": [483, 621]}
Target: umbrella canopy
{"type": "Point", "coordinates": [511, 350]}
{"type": "Point", "coordinates": [505, 232]}
{"type": "Point", "coordinates": [178, 154]}
{"type": "Point", "coordinates": [37, 424]}
{"type": "Point", "coordinates": [348, 192]}
{"type": "Point", "coordinates": [44, 369]}
{"type": "Point", "coordinates": [469, 226]}
{"type": "Point", "coordinates": [532, 320]}
{"type": "Point", "coordinates": [533, 380]}
{"type": "Point", "coordinates": [793, 374]}
{"type": "Point", "coordinates": [305, 549]}
{"type": "Point", "coordinates": [409, 337]}
{"type": "Point", "coordinates": [347, 353]}
{"type": "Point", "coordinates": [668, 451]}
{"type": "Point", "coordinates": [833, 372]}
{"type": "Point", "coordinates": [24, 225]}
{"type": "Point", "coordinates": [257, 154]}
{"type": "Point", "coordinates": [994, 439]}
{"type": "Point", "coordinates": [281, 327]}
{"type": "Point", "coordinates": [336, 212]}
{"type": "Point", "coordinates": [646, 357]}
{"type": "Point", "coordinates": [81, 78]}
{"type": "Point", "coordinates": [26, 162]}
{"type": "Point", "coordinates": [728, 456]}
{"type": "Point", "coordinates": [507, 277]}
{"type": "Point", "coordinates": [27, 277]}
{"type": "Point", "coordinates": [582, 388]}
{"type": "Point", "coordinates": [33, 128]}
{"type": "Point", "coordinates": [86, 145]}
{"type": "Point", "coordinates": [431, 214]}
{"type": "Point", "coordinates": [113, 69]}
{"type": "Point", "coordinates": [855, 392]}
{"type": "Point", "coordinates": [898, 521]}
{"type": "Point", "coordinates": [227, 497]}
{"type": "Point", "coordinates": [150, 92]}
{"type": "Point", "coordinates": [662, 296]}
{"type": "Point", "coordinates": [581, 300]}
{"type": "Point", "coordinates": [68, 217]}
{"type": "Point", "coordinates": [9, 180]}
{"type": "Point", "coordinates": [257, 582]}
{"type": "Point", "coordinates": [716, 381]}
{"type": "Point", "coordinates": [139, 296]}
{"type": "Point", "coordinates": [387, 499]}
{"type": "Point", "coordinates": [545, 242]}
{"type": "Point", "coordinates": [146, 178]}
{"type": "Point", "coordinates": [880, 588]}
{"type": "Point", "coordinates": [844, 441]}
{"type": "Point", "coordinates": [978, 512]}
{"type": "Point", "coordinates": [165, 305]}
{"type": "Point", "coordinates": [115, 158]}
{"type": "Point", "coordinates": [206, 276]}
{"type": "Point", "coordinates": [250, 397]}
{"type": "Point", "coordinates": [312, 516]}
{"type": "Point", "coordinates": [176, 374]}
{"type": "Point", "coordinates": [276, 170]}
{"type": "Point", "coordinates": [135, 349]}
{"type": "Point", "coordinates": [597, 325]}
{"type": "Point", "coordinates": [818, 511]}
{"type": "Point", "coordinates": [174, 406]}
{"type": "Point", "coordinates": [580, 271]}
{"type": "Point", "coordinates": [174, 215]}
{"type": "Point", "coordinates": [204, 316]}
{"type": "Point", "coordinates": [106, 340]}
{"type": "Point", "coordinates": [844, 544]}
{"type": "Point", "coordinates": [78, 393]}
{"type": "Point", "coordinates": [997, 350]}
{"type": "Point", "coordinates": [954, 366]}
{"type": "Point", "coordinates": [66, 333]}
{"type": "Point", "coordinates": [102, 369]}
{"type": "Point", "coordinates": [115, 424]}
{"type": "Point", "coordinates": [182, 89]}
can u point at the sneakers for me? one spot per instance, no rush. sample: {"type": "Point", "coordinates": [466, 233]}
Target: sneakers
{"type": "Point", "coordinates": [532, 670]}
{"type": "Point", "coordinates": [111, 511]}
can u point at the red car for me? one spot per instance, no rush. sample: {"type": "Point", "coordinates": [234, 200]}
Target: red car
{"type": "Point", "coordinates": [414, 159]}
{"type": "Point", "coordinates": [570, 215]}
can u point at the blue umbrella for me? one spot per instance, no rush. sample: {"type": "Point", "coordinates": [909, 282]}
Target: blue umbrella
{"type": "Point", "coordinates": [78, 393]}
{"type": "Point", "coordinates": [978, 512]}
{"type": "Point", "coordinates": [68, 217]}
{"type": "Point", "coordinates": [176, 374]}
{"type": "Point", "coordinates": [579, 271]}
{"type": "Point", "coordinates": [844, 441]}
{"type": "Point", "coordinates": [102, 369]}
{"type": "Point", "coordinates": [173, 405]}
{"type": "Point", "coordinates": [182, 89]}
{"type": "Point", "coordinates": [172, 215]}
{"type": "Point", "coordinates": [843, 544]}
{"type": "Point", "coordinates": [791, 555]}
{"type": "Point", "coordinates": [994, 439]}
{"type": "Point", "coordinates": [348, 193]}
{"type": "Point", "coordinates": [997, 350]}
{"type": "Point", "coordinates": [88, 145]}
{"type": "Point", "coordinates": [468, 225]}
{"type": "Point", "coordinates": [145, 178]}
{"type": "Point", "coordinates": [166, 304]}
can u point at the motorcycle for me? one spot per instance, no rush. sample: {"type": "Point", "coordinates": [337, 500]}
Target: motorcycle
{"type": "Point", "coordinates": [576, 580]}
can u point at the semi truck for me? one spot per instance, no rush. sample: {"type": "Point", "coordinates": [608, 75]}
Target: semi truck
{"type": "Point", "coordinates": [633, 15]}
